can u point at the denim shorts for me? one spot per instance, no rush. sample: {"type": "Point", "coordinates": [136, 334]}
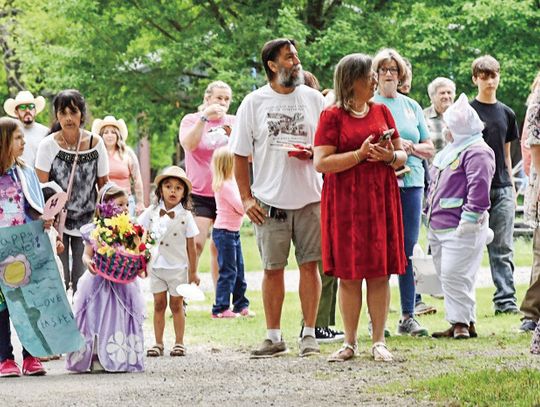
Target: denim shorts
{"type": "Point", "coordinates": [302, 226]}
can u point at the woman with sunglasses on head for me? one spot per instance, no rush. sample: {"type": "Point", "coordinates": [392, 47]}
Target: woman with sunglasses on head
{"type": "Point", "coordinates": [412, 128]}
{"type": "Point", "coordinates": [201, 134]}
{"type": "Point", "coordinates": [54, 162]}
{"type": "Point", "coordinates": [124, 167]}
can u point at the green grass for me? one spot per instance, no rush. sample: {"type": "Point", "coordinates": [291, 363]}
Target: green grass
{"type": "Point", "coordinates": [488, 387]}
{"type": "Point", "coordinates": [494, 369]}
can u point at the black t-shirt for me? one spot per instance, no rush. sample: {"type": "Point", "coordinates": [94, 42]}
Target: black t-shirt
{"type": "Point", "coordinates": [501, 128]}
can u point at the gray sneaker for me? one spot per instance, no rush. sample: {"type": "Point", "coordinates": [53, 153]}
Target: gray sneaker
{"type": "Point", "coordinates": [268, 349]}
{"type": "Point", "coordinates": [410, 326]}
{"type": "Point", "coordinates": [308, 346]}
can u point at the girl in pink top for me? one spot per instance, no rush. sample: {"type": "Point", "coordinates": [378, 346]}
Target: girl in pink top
{"type": "Point", "coordinates": [123, 163]}
{"type": "Point", "coordinates": [226, 236]}
{"type": "Point", "coordinates": [201, 134]}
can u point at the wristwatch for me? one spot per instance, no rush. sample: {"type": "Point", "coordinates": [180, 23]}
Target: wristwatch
{"type": "Point", "coordinates": [204, 119]}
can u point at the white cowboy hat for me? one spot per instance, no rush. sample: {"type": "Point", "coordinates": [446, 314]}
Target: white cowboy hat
{"type": "Point", "coordinates": [176, 172]}
{"type": "Point", "coordinates": [120, 124]}
{"type": "Point", "coordinates": [22, 98]}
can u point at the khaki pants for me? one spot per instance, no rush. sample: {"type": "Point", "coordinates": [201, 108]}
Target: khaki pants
{"type": "Point", "coordinates": [531, 302]}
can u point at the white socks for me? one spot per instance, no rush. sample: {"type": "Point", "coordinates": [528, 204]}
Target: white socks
{"type": "Point", "coordinates": [274, 335]}
{"type": "Point", "coordinates": [308, 332]}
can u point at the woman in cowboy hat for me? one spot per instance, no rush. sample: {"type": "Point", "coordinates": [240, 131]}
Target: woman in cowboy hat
{"type": "Point", "coordinates": [26, 107]}
{"type": "Point", "coordinates": [123, 163]}
{"type": "Point", "coordinates": [55, 160]}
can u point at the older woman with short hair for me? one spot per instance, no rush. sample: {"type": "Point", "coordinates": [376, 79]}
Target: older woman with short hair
{"type": "Point", "coordinates": [357, 147]}
{"type": "Point", "coordinates": [414, 133]}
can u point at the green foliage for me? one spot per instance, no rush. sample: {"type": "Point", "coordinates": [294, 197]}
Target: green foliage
{"type": "Point", "coordinates": [153, 57]}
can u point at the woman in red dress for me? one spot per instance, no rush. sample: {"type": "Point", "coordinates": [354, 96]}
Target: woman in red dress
{"type": "Point", "coordinates": [357, 147]}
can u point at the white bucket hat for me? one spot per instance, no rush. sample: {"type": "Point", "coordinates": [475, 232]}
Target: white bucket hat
{"type": "Point", "coordinates": [22, 98]}
{"type": "Point", "coordinates": [120, 124]}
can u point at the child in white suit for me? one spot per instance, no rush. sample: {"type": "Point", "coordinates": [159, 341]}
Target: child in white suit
{"type": "Point", "coordinates": [174, 255]}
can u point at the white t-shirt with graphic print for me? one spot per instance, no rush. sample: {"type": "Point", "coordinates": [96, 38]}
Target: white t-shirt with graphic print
{"type": "Point", "coordinates": [267, 123]}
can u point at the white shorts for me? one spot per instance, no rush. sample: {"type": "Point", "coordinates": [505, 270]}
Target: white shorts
{"type": "Point", "coordinates": [162, 280]}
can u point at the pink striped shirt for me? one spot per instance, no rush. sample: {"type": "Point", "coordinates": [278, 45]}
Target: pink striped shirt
{"type": "Point", "coordinates": [230, 210]}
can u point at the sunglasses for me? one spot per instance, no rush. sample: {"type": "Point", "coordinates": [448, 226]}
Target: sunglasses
{"type": "Point", "coordinates": [26, 106]}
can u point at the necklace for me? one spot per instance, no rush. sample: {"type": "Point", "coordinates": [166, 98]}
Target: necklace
{"type": "Point", "coordinates": [363, 113]}
{"type": "Point", "coordinates": [70, 147]}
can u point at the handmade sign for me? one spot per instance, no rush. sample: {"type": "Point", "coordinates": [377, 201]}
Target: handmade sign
{"type": "Point", "coordinates": [34, 292]}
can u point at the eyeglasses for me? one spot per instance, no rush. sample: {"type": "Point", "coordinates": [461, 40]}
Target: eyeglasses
{"type": "Point", "coordinates": [392, 70]}
{"type": "Point", "coordinates": [26, 106]}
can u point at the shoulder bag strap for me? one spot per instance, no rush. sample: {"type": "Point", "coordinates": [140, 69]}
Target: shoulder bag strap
{"type": "Point", "coordinates": [73, 168]}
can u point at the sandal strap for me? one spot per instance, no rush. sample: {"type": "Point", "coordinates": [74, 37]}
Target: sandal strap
{"type": "Point", "coordinates": [353, 347]}
{"type": "Point", "coordinates": [382, 350]}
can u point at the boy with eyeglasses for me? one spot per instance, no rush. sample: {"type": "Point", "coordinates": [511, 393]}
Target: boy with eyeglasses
{"type": "Point", "coordinates": [25, 107]}
{"type": "Point", "coordinates": [500, 130]}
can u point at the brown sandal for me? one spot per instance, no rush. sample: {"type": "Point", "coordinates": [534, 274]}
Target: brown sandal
{"type": "Point", "coordinates": [155, 351]}
{"type": "Point", "coordinates": [346, 352]}
{"type": "Point", "coordinates": [178, 350]}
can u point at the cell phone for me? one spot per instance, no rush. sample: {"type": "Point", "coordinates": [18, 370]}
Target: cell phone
{"type": "Point", "coordinates": [386, 136]}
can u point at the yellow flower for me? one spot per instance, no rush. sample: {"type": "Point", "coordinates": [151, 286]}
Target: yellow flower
{"type": "Point", "coordinates": [102, 250]}
{"type": "Point", "coordinates": [121, 222]}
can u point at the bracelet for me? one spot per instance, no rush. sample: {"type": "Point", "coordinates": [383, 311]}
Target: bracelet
{"type": "Point", "coordinates": [204, 119]}
{"type": "Point", "coordinates": [356, 155]}
{"type": "Point", "coordinates": [393, 160]}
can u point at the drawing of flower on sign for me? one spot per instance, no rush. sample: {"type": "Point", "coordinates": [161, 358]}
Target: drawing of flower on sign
{"type": "Point", "coordinates": [15, 271]}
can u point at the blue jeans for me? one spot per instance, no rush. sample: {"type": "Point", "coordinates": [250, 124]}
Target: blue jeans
{"type": "Point", "coordinates": [411, 206]}
{"type": "Point", "coordinates": [501, 249]}
{"type": "Point", "coordinates": [231, 278]}
{"type": "Point", "coordinates": [6, 349]}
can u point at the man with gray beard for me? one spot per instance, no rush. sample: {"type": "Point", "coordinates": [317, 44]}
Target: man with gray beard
{"type": "Point", "coordinates": [276, 125]}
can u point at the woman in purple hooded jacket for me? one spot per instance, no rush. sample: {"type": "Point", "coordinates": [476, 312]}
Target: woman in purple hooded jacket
{"type": "Point", "coordinates": [457, 215]}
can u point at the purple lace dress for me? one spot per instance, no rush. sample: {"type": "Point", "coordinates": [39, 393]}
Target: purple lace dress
{"type": "Point", "coordinates": [110, 317]}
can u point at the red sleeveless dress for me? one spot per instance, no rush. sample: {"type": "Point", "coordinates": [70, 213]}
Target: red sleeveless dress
{"type": "Point", "coordinates": [362, 228]}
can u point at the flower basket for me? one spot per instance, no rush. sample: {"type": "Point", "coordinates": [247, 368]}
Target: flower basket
{"type": "Point", "coordinates": [121, 247]}
{"type": "Point", "coordinates": [119, 267]}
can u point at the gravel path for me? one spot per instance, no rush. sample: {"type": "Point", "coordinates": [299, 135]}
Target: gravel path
{"type": "Point", "coordinates": [226, 377]}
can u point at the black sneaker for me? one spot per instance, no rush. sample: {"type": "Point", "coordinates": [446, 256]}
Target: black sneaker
{"type": "Point", "coordinates": [527, 325]}
{"type": "Point", "coordinates": [325, 335]}
{"type": "Point", "coordinates": [337, 334]}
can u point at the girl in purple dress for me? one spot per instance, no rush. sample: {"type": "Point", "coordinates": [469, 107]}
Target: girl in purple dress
{"type": "Point", "coordinates": [109, 315]}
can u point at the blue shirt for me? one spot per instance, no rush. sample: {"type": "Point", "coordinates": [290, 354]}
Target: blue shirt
{"type": "Point", "coordinates": [411, 125]}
